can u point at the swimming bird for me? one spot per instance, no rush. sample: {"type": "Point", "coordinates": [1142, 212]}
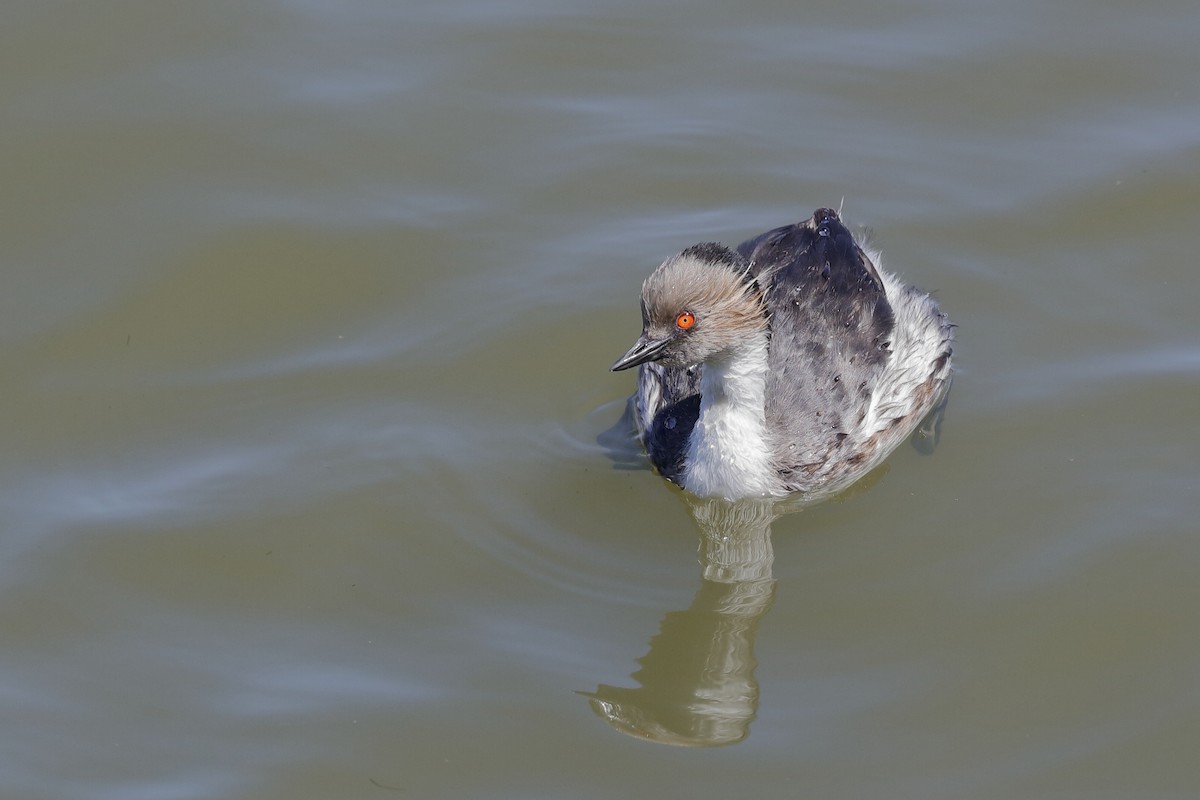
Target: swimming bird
{"type": "Point", "coordinates": [791, 364]}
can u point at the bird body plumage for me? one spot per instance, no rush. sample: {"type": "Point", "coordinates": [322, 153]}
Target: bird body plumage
{"type": "Point", "coordinates": [805, 366]}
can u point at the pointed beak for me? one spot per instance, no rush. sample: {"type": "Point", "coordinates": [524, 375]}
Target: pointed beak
{"type": "Point", "coordinates": [643, 350]}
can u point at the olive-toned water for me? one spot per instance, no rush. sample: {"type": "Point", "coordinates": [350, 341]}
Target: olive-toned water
{"type": "Point", "coordinates": [308, 487]}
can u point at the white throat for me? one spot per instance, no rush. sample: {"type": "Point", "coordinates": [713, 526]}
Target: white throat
{"type": "Point", "coordinates": [729, 451]}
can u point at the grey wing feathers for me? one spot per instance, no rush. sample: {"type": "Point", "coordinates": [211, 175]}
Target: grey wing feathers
{"type": "Point", "coordinates": [831, 329]}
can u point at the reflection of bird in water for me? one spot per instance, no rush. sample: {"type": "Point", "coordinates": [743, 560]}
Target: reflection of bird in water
{"type": "Point", "coordinates": [791, 364]}
{"type": "Point", "coordinates": [696, 685]}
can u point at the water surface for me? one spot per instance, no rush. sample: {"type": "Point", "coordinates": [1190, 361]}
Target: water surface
{"type": "Point", "coordinates": [308, 314]}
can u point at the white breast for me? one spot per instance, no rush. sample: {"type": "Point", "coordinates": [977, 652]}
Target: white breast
{"type": "Point", "coordinates": [728, 453]}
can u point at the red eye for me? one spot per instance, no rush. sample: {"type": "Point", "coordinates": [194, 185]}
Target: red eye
{"type": "Point", "coordinates": [685, 320]}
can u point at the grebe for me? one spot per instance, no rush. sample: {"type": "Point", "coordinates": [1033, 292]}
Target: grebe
{"type": "Point", "coordinates": [793, 364]}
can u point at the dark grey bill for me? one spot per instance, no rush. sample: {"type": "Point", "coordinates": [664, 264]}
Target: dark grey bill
{"type": "Point", "coordinates": [643, 350]}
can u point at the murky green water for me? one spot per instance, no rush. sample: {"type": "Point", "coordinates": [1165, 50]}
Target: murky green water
{"type": "Point", "coordinates": [306, 328]}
